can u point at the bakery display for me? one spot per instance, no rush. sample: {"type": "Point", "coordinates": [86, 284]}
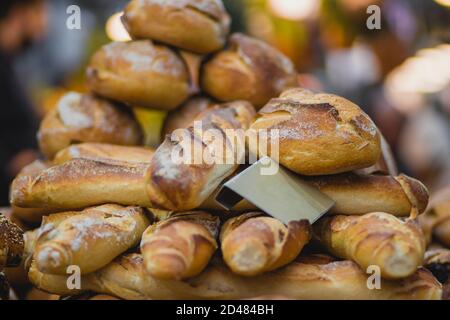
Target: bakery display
{"type": "Point", "coordinates": [139, 73]}
{"type": "Point", "coordinates": [318, 134]}
{"type": "Point", "coordinates": [199, 26]}
{"type": "Point", "coordinates": [86, 118]}
{"type": "Point", "coordinates": [248, 69]}
{"type": "Point", "coordinates": [149, 223]}
{"type": "Point", "coordinates": [181, 246]}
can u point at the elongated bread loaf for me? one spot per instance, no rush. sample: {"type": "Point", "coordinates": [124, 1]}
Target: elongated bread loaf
{"type": "Point", "coordinates": [318, 134]}
{"type": "Point", "coordinates": [183, 184]}
{"type": "Point", "coordinates": [181, 246]}
{"type": "Point", "coordinates": [356, 194]}
{"type": "Point", "coordinates": [199, 26]}
{"type": "Point", "coordinates": [375, 239]}
{"type": "Point", "coordinates": [89, 239]}
{"type": "Point", "coordinates": [253, 243]}
{"type": "Point", "coordinates": [126, 278]}
{"type": "Point", "coordinates": [86, 118]}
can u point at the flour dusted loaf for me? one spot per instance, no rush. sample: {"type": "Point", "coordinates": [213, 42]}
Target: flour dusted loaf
{"type": "Point", "coordinates": [199, 26]}
{"type": "Point", "coordinates": [139, 73]}
{"type": "Point", "coordinates": [89, 239]}
{"type": "Point", "coordinates": [248, 69]}
{"type": "Point", "coordinates": [319, 134]}
{"type": "Point", "coordinates": [126, 278]}
{"type": "Point", "coordinates": [86, 118]}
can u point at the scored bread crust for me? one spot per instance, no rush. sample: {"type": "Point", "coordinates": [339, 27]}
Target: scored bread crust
{"type": "Point", "coordinates": [86, 118]}
{"type": "Point", "coordinates": [200, 26]}
{"type": "Point", "coordinates": [319, 134]}
{"type": "Point", "coordinates": [139, 73]}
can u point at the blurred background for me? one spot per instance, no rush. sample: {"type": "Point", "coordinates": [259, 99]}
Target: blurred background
{"type": "Point", "coordinates": [399, 74]}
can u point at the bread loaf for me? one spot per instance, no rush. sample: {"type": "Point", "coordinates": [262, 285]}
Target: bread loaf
{"type": "Point", "coordinates": [185, 183]}
{"type": "Point", "coordinates": [139, 73]}
{"type": "Point", "coordinates": [186, 114]}
{"type": "Point", "coordinates": [193, 25]}
{"type": "Point", "coordinates": [126, 278]}
{"type": "Point", "coordinates": [440, 211]}
{"type": "Point", "coordinates": [253, 243]}
{"type": "Point", "coordinates": [86, 118]}
{"type": "Point", "coordinates": [375, 239]}
{"type": "Point", "coordinates": [438, 262]}
{"type": "Point", "coordinates": [181, 246]}
{"type": "Point", "coordinates": [318, 134]}
{"type": "Point", "coordinates": [11, 243]}
{"type": "Point", "coordinates": [249, 69]}
{"type": "Point", "coordinates": [89, 239]}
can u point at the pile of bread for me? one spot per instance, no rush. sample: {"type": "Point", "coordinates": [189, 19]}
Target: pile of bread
{"type": "Point", "coordinates": [137, 225]}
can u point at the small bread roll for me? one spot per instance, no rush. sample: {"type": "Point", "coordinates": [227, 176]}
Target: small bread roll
{"type": "Point", "coordinates": [249, 69]}
{"type": "Point", "coordinates": [378, 239]}
{"type": "Point", "coordinates": [86, 118]}
{"type": "Point", "coordinates": [318, 134]}
{"type": "Point", "coordinates": [199, 26]}
{"type": "Point", "coordinates": [181, 246]}
{"type": "Point", "coordinates": [186, 114]}
{"type": "Point", "coordinates": [11, 243]}
{"type": "Point", "coordinates": [139, 73]}
{"type": "Point", "coordinates": [253, 244]}
{"type": "Point", "coordinates": [89, 239]}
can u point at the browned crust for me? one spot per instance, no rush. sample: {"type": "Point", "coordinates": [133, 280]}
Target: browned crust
{"type": "Point", "coordinates": [11, 243]}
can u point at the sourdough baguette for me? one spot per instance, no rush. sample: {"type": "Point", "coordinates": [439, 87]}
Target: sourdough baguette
{"type": "Point", "coordinates": [181, 246]}
{"type": "Point", "coordinates": [184, 185]}
{"type": "Point", "coordinates": [197, 26]}
{"type": "Point", "coordinates": [89, 239]}
{"type": "Point", "coordinates": [126, 278]}
{"type": "Point", "coordinates": [139, 73]}
{"type": "Point", "coordinates": [356, 194]}
{"type": "Point", "coordinates": [318, 134]}
{"type": "Point", "coordinates": [253, 243]}
{"type": "Point", "coordinates": [86, 118]}
{"type": "Point", "coordinates": [379, 239]}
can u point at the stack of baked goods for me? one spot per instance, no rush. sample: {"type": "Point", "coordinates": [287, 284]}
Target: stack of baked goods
{"type": "Point", "coordinates": [135, 224]}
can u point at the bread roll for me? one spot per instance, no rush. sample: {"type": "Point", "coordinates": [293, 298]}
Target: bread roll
{"type": "Point", "coordinates": [249, 69]}
{"type": "Point", "coordinates": [438, 262]}
{"type": "Point", "coordinates": [90, 239]}
{"type": "Point", "coordinates": [11, 243]}
{"type": "Point", "coordinates": [253, 244]}
{"type": "Point", "coordinates": [86, 118]}
{"type": "Point", "coordinates": [186, 114]}
{"type": "Point", "coordinates": [318, 134]}
{"type": "Point", "coordinates": [139, 73]}
{"type": "Point", "coordinates": [183, 184]}
{"type": "Point", "coordinates": [126, 278]}
{"type": "Point", "coordinates": [199, 26]}
{"type": "Point", "coordinates": [440, 209]}
{"type": "Point", "coordinates": [378, 239]}
{"type": "Point", "coordinates": [181, 246]}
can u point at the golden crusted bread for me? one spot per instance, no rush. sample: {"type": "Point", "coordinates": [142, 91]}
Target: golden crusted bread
{"type": "Point", "coordinates": [185, 183]}
{"type": "Point", "coordinates": [253, 244]}
{"type": "Point", "coordinates": [376, 239]}
{"type": "Point", "coordinates": [199, 26]}
{"type": "Point", "coordinates": [437, 260]}
{"type": "Point", "coordinates": [436, 221]}
{"type": "Point", "coordinates": [186, 114]}
{"type": "Point", "coordinates": [318, 134]}
{"type": "Point", "coordinates": [126, 278]}
{"type": "Point", "coordinates": [89, 239]}
{"type": "Point", "coordinates": [248, 69]}
{"type": "Point", "coordinates": [181, 246]}
{"type": "Point", "coordinates": [11, 243]}
{"type": "Point", "coordinates": [86, 118]}
{"type": "Point", "coordinates": [139, 73]}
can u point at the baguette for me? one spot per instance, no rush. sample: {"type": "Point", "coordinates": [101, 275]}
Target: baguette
{"type": "Point", "coordinates": [86, 118]}
{"type": "Point", "coordinates": [197, 26]}
{"type": "Point", "coordinates": [185, 185]}
{"type": "Point", "coordinates": [379, 239]}
{"type": "Point", "coordinates": [253, 244]}
{"type": "Point", "coordinates": [89, 239]}
{"type": "Point", "coordinates": [126, 278]}
{"type": "Point", "coordinates": [356, 194]}
{"type": "Point", "coordinates": [181, 246]}
{"type": "Point", "coordinates": [318, 134]}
